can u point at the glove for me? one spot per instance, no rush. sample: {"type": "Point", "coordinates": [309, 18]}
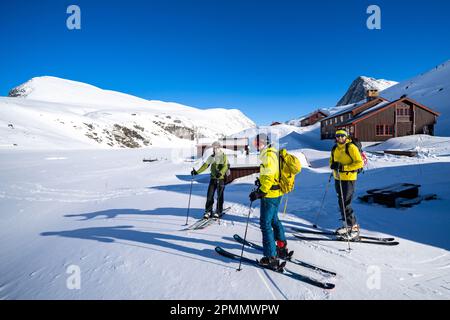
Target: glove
{"type": "Point", "coordinates": [336, 166]}
{"type": "Point", "coordinates": [257, 182]}
{"type": "Point", "coordinates": [257, 194]}
{"type": "Point", "coordinates": [194, 172]}
{"type": "Point", "coordinates": [218, 175]}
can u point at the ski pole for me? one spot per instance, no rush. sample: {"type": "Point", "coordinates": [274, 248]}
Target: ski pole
{"type": "Point", "coordinates": [189, 203]}
{"type": "Point", "coordinates": [285, 206]}
{"type": "Point", "coordinates": [323, 200]}
{"type": "Point", "coordinates": [343, 209]}
{"type": "Point", "coordinates": [245, 235]}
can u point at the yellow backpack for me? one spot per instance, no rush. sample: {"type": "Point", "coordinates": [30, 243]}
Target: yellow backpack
{"type": "Point", "coordinates": [289, 166]}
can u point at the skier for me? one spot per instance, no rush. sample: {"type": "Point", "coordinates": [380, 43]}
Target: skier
{"type": "Point", "coordinates": [345, 161]}
{"type": "Point", "coordinates": [219, 167]}
{"type": "Point", "coordinates": [270, 194]}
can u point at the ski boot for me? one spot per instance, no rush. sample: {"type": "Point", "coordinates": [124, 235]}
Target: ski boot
{"type": "Point", "coordinates": [344, 230]}
{"type": "Point", "coordinates": [207, 215]}
{"type": "Point", "coordinates": [216, 215]}
{"type": "Point", "coordinates": [272, 263]}
{"type": "Point", "coordinates": [350, 233]}
{"type": "Point", "coordinates": [282, 250]}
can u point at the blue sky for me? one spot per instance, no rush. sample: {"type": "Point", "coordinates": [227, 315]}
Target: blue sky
{"type": "Point", "coordinates": [274, 60]}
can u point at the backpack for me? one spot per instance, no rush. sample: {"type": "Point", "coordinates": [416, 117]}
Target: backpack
{"type": "Point", "coordinates": [289, 167]}
{"type": "Point", "coordinates": [358, 145]}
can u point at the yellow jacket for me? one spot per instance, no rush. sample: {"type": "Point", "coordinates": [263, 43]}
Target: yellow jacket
{"type": "Point", "coordinates": [269, 172]}
{"type": "Point", "coordinates": [350, 164]}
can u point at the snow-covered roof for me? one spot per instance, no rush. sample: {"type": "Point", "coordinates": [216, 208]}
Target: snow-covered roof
{"type": "Point", "coordinates": [346, 110]}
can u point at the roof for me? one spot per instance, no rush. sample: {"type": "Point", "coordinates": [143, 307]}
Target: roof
{"type": "Point", "coordinates": [352, 107]}
{"type": "Point", "coordinates": [382, 106]}
{"type": "Point", "coordinates": [366, 112]}
{"type": "Point", "coordinates": [325, 113]}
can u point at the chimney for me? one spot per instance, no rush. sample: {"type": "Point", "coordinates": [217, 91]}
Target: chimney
{"type": "Point", "coordinates": [372, 94]}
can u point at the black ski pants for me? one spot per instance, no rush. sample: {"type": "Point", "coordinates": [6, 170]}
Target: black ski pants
{"type": "Point", "coordinates": [219, 185]}
{"type": "Point", "coordinates": [348, 189]}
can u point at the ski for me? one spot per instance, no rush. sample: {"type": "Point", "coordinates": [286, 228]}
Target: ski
{"type": "Point", "coordinates": [385, 243]}
{"type": "Point", "coordinates": [200, 224]}
{"type": "Point", "coordinates": [332, 233]}
{"type": "Point", "coordinates": [295, 261]}
{"type": "Point", "coordinates": [203, 223]}
{"type": "Point", "coordinates": [286, 272]}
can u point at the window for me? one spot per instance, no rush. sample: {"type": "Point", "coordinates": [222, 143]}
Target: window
{"type": "Point", "coordinates": [384, 130]}
{"type": "Point", "coordinates": [379, 128]}
{"type": "Point", "coordinates": [388, 130]}
{"type": "Point", "coordinates": [335, 120]}
{"type": "Point", "coordinates": [404, 111]}
{"type": "Point", "coordinates": [342, 118]}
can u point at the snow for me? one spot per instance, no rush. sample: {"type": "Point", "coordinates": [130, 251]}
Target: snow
{"type": "Point", "coordinates": [120, 221]}
{"type": "Point", "coordinates": [378, 84]}
{"type": "Point", "coordinates": [431, 89]}
{"type": "Point", "coordinates": [426, 146]}
{"type": "Point", "coordinates": [290, 137]}
{"type": "Point", "coordinates": [70, 201]}
{"type": "Point", "coordinates": [51, 113]}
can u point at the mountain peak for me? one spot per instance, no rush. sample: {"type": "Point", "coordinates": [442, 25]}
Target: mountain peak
{"type": "Point", "coordinates": [357, 90]}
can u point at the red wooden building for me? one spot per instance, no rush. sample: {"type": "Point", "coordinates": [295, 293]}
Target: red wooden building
{"type": "Point", "coordinates": [377, 119]}
{"type": "Point", "coordinates": [313, 118]}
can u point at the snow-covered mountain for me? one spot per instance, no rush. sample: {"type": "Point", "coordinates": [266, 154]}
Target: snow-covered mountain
{"type": "Point", "coordinates": [49, 112]}
{"type": "Point", "coordinates": [357, 90]}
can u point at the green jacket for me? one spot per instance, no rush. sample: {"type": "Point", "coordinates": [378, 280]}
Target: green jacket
{"type": "Point", "coordinates": [219, 165]}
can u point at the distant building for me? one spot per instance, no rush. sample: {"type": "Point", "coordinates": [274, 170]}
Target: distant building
{"type": "Point", "coordinates": [377, 119]}
{"type": "Point", "coordinates": [235, 144]}
{"type": "Point", "coordinates": [275, 123]}
{"type": "Point", "coordinates": [313, 118]}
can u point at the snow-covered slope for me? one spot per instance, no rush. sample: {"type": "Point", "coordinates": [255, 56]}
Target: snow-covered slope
{"type": "Point", "coordinates": [425, 145]}
{"type": "Point", "coordinates": [290, 137]}
{"type": "Point", "coordinates": [119, 222]}
{"type": "Point", "coordinates": [432, 89]}
{"type": "Point", "coordinates": [49, 112]}
{"type": "Point", "coordinates": [357, 90]}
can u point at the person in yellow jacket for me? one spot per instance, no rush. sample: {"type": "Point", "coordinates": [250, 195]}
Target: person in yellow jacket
{"type": "Point", "coordinates": [345, 161]}
{"type": "Point", "coordinates": [219, 166]}
{"type": "Point", "coordinates": [273, 234]}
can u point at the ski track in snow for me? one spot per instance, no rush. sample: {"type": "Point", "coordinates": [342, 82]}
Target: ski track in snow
{"type": "Point", "coordinates": [37, 192]}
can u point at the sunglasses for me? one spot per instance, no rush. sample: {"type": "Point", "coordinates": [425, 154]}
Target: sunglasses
{"type": "Point", "coordinates": [340, 136]}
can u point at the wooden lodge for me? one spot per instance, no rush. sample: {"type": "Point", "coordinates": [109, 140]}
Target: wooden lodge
{"type": "Point", "coordinates": [377, 119]}
{"type": "Point", "coordinates": [313, 118]}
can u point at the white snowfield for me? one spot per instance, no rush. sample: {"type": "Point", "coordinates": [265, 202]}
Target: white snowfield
{"type": "Point", "coordinates": [49, 112]}
{"type": "Point", "coordinates": [102, 224]}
